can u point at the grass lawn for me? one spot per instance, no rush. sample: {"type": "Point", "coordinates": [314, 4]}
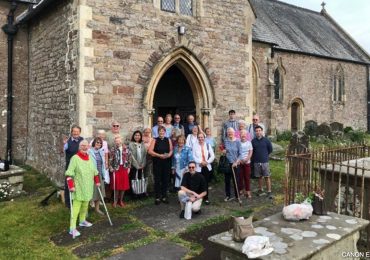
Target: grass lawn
{"type": "Point", "coordinates": [25, 227]}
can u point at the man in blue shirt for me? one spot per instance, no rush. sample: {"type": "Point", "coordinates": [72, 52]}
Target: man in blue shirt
{"type": "Point", "coordinates": [262, 148]}
{"type": "Point", "coordinates": [160, 122]}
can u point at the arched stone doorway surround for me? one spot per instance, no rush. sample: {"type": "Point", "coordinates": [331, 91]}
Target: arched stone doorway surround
{"type": "Point", "coordinates": [296, 113]}
{"type": "Point", "coordinates": [198, 80]}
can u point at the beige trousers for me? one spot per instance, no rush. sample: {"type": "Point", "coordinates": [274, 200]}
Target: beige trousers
{"type": "Point", "coordinates": [196, 204]}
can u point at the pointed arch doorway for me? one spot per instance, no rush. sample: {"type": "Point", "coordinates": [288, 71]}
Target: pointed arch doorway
{"type": "Point", "coordinates": [181, 77]}
{"type": "Point", "coordinates": [173, 95]}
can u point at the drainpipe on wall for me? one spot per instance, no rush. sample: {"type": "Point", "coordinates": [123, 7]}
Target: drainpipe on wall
{"type": "Point", "coordinates": [10, 30]}
{"type": "Point", "coordinates": [368, 97]}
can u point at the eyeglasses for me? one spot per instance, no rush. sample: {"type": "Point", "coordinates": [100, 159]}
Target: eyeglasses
{"type": "Point", "coordinates": [255, 119]}
{"type": "Point", "coordinates": [98, 142]}
{"type": "Point", "coordinates": [191, 167]}
{"type": "Point", "coordinates": [115, 125]}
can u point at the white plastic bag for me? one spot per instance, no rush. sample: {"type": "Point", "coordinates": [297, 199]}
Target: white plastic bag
{"type": "Point", "coordinates": [106, 176]}
{"type": "Point", "coordinates": [188, 210]}
{"type": "Point", "coordinates": [297, 211]}
{"type": "Point", "coordinates": [257, 246]}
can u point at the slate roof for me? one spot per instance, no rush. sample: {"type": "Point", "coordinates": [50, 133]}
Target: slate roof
{"type": "Point", "coordinates": [297, 29]}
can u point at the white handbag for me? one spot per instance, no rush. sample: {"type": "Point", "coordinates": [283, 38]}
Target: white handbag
{"type": "Point", "coordinates": [139, 186]}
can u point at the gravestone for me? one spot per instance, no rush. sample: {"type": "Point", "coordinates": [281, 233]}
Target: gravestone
{"type": "Point", "coordinates": [324, 130]}
{"type": "Point", "coordinates": [310, 127]}
{"type": "Point", "coordinates": [299, 143]}
{"type": "Point", "coordinates": [336, 126]}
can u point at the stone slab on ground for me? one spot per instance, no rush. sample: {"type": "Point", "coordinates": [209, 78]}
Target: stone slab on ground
{"type": "Point", "coordinates": [320, 237]}
{"type": "Point", "coordinates": [159, 250]}
{"type": "Point", "coordinates": [166, 216]}
{"type": "Point", "coordinates": [110, 241]}
{"type": "Point", "coordinates": [99, 229]}
{"type": "Point", "coordinates": [201, 235]}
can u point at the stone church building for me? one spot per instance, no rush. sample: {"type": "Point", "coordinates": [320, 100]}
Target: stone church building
{"type": "Point", "coordinates": [92, 61]}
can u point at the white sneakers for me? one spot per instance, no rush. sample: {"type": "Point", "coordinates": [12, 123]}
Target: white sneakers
{"type": "Point", "coordinates": [75, 232]}
{"type": "Point", "coordinates": [85, 224]}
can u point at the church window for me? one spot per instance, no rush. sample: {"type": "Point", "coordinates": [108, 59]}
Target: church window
{"type": "Point", "coordinates": [278, 85]}
{"type": "Point", "coordinates": [338, 86]}
{"type": "Point", "coordinates": [184, 7]}
{"type": "Point", "coordinates": [168, 5]}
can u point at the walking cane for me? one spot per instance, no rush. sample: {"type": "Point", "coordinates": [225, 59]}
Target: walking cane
{"type": "Point", "coordinates": [114, 187]}
{"type": "Point", "coordinates": [105, 207]}
{"type": "Point", "coordinates": [71, 208]}
{"type": "Point", "coordinates": [236, 186]}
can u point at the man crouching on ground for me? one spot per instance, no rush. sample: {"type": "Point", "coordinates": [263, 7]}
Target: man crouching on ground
{"type": "Point", "coordinates": [193, 188]}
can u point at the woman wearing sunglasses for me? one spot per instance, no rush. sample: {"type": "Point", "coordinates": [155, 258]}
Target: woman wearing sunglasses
{"type": "Point", "coordinates": [97, 155]}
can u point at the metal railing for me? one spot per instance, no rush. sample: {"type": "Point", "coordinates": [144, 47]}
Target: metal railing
{"type": "Point", "coordinates": [343, 173]}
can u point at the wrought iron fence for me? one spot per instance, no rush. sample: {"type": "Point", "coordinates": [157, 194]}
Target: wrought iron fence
{"type": "Point", "coordinates": [343, 173]}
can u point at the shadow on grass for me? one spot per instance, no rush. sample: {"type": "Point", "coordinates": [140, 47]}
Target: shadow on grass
{"type": "Point", "coordinates": [34, 180]}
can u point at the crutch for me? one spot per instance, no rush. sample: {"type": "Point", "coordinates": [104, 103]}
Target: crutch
{"type": "Point", "coordinates": [71, 208]}
{"type": "Point", "coordinates": [105, 207]}
{"type": "Point", "coordinates": [236, 186]}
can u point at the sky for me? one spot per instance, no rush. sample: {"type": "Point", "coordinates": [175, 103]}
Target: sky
{"type": "Point", "coordinates": [352, 15]}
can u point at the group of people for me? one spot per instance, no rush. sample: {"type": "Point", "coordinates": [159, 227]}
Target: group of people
{"type": "Point", "coordinates": [178, 156]}
{"type": "Point", "coordinates": [247, 152]}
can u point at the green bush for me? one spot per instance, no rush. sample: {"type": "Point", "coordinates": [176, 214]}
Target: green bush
{"type": "Point", "coordinates": [347, 129]}
{"type": "Point", "coordinates": [283, 136]}
{"type": "Point", "coordinates": [356, 136]}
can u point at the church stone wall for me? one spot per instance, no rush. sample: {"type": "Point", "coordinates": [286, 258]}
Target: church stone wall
{"type": "Point", "coordinates": [3, 79]}
{"type": "Point", "coordinates": [20, 88]}
{"type": "Point", "coordinates": [129, 38]}
{"type": "Point", "coordinates": [53, 59]}
{"type": "Point", "coordinates": [311, 79]}
{"type": "Point", "coordinates": [262, 58]}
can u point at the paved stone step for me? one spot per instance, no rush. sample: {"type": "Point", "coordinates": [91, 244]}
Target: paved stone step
{"type": "Point", "coordinates": [99, 229]}
{"type": "Point", "coordinates": [159, 250]}
{"type": "Point", "coordinates": [165, 217]}
{"type": "Point", "coordinates": [110, 241]}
